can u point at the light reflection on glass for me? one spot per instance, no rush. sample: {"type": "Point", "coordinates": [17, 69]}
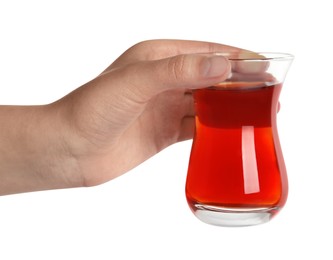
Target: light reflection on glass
{"type": "Point", "coordinates": [250, 169]}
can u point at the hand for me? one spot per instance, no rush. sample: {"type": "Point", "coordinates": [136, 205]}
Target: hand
{"type": "Point", "coordinates": [139, 105]}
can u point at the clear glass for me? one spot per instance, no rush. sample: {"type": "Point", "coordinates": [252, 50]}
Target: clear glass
{"type": "Point", "coordinates": [236, 174]}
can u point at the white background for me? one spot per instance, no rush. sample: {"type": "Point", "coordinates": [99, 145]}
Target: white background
{"type": "Point", "coordinates": [49, 48]}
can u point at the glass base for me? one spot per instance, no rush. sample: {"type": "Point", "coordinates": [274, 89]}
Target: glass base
{"type": "Point", "coordinates": [233, 217]}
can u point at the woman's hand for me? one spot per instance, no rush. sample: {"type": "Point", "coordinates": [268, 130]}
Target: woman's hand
{"type": "Point", "coordinates": [139, 105]}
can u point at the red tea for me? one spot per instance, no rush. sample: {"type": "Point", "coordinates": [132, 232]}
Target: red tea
{"type": "Point", "coordinates": [236, 159]}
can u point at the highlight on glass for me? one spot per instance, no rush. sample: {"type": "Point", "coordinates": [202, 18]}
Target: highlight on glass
{"type": "Point", "coordinates": [236, 174]}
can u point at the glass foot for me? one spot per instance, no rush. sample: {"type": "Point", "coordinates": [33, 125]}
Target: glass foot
{"type": "Point", "coordinates": [233, 217]}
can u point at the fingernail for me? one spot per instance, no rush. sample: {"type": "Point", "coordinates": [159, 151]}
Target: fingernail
{"type": "Point", "coordinates": [214, 66]}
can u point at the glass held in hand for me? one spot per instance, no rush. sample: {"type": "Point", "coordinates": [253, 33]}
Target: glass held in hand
{"type": "Point", "coordinates": [236, 174]}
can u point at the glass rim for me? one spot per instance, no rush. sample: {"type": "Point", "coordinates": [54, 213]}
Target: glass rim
{"type": "Point", "coordinates": [255, 56]}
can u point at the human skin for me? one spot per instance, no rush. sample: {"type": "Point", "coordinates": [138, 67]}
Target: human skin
{"type": "Point", "coordinates": [138, 106]}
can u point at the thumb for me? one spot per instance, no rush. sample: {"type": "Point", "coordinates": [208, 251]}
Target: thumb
{"type": "Point", "coordinates": [143, 80]}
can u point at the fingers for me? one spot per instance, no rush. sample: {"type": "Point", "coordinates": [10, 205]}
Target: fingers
{"type": "Point", "coordinates": [248, 69]}
{"type": "Point", "coordinates": [257, 65]}
{"type": "Point", "coordinates": [160, 49]}
{"type": "Point", "coordinates": [251, 77]}
{"type": "Point", "coordinates": [189, 104]}
{"type": "Point", "coordinates": [186, 129]}
{"type": "Point", "coordinates": [143, 80]}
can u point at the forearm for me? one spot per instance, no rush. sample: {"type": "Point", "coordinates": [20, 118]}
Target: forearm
{"type": "Point", "coordinates": [33, 153]}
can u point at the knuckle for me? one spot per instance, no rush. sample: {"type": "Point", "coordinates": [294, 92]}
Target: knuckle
{"type": "Point", "coordinates": [148, 50]}
{"type": "Point", "coordinates": [176, 67]}
{"type": "Point", "coordinates": [143, 45]}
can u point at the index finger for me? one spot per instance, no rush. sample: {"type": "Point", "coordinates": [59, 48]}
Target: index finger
{"type": "Point", "coordinates": [160, 49]}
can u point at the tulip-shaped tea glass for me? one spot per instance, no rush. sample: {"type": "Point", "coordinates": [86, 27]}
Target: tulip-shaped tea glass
{"type": "Point", "coordinates": [236, 174]}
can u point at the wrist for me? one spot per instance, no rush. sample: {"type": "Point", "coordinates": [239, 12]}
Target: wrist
{"type": "Point", "coordinates": [34, 154]}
